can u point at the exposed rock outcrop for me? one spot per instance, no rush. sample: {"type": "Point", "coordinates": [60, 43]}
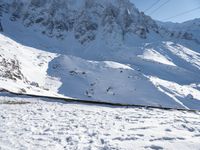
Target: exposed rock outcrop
{"type": "Point", "coordinates": [85, 18]}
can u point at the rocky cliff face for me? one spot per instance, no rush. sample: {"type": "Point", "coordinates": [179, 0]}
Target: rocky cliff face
{"type": "Point", "coordinates": [1, 28]}
{"type": "Point", "coordinates": [1, 11]}
{"type": "Point", "coordinates": [84, 18]}
{"type": "Point", "coordinates": [10, 69]}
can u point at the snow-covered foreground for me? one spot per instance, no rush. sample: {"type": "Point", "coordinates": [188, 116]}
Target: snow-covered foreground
{"type": "Point", "coordinates": [47, 124]}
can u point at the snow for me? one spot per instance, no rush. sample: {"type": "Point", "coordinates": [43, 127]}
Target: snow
{"type": "Point", "coordinates": [98, 51]}
{"type": "Point", "coordinates": [151, 54]}
{"type": "Point", "coordinates": [38, 123]}
{"type": "Point", "coordinates": [185, 53]}
{"type": "Point", "coordinates": [32, 70]}
{"type": "Point", "coordinates": [29, 58]}
{"type": "Point", "coordinates": [98, 81]}
{"type": "Point", "coordinates": [117, 67]}
{"type": "Point", "coordinates": [190, 27]}
{"type": "Point", "coordinates": [183, 94]}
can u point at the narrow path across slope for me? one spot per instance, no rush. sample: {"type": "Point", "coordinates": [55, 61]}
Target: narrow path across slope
{"type": "Point", "coordinates": [99, 102]}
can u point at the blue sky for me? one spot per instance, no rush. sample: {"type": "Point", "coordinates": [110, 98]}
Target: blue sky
{"type": "Point", "coordinates": [172, 8]}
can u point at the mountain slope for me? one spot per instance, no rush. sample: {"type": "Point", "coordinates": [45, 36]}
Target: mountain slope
{"type": "Point", "coordinates": [96, 50]}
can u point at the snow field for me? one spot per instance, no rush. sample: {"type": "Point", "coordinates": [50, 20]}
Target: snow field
{"type": "Point", "coordinates": [46, 124]}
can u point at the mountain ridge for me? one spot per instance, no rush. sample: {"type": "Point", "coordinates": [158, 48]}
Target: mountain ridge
{"type": "Point", "coordinates": [60, 16]}
{"type": "Point", "coordinates": [188, 30]}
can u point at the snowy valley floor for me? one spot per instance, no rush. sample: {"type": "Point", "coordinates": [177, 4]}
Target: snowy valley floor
{"type": "Point", "coordinates": [36, 123]}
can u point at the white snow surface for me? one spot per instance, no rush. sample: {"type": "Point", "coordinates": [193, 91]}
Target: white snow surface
{"type": "Point", "coordinates": [38, 123]}
{"type": "Point", "coordinates": [151, 54]}
{"type": "Point", "coordinates": [33, 64]}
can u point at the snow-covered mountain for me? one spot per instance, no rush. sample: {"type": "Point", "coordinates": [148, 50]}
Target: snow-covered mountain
{"type": "Point", "coordinates": [98, 50]}
{"type": "Point", "coordinates": [188, 30]}
{"type": "Point", "coordinates": [85, 18]}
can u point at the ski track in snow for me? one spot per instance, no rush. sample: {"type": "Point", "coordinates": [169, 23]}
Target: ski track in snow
{"type": "Point", "coordinates": [44, 124]}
